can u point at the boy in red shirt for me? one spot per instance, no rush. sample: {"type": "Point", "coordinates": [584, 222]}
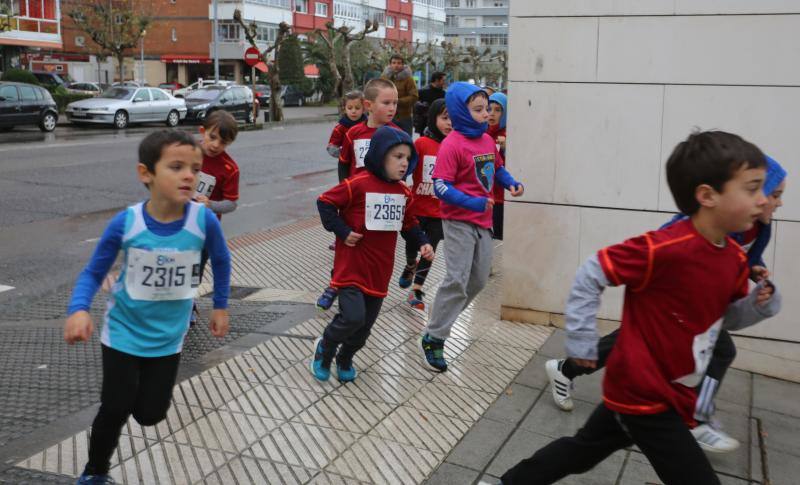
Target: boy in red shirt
{"type": "Point", "coordinates": [380, 101]}
{"type": "Point", "coordinates": [426, 204]}
{"type": "Point", "coordinates": [366, 212]}
{"type": "Point", "coordinates": [218, 180]}
{"type": "Point", "coordinates": [498, 104]}
{"type": "Point", "coordinates": [353, 114]}
{"type": "Point", "coordinates": [683, 284]}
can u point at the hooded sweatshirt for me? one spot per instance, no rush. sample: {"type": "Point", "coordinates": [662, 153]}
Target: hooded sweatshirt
{"type": "Point", "coordinates": [468, 163]}
{"type": "Point", "coordinates": [407, 93]}
{"type": "Point", "coordinates": [496, 131]}
{"type": "Point", "coordinates": [371, 204]}
{"type": "Point", "coordinates": [337, 136]}
{"type": "Point", "coordinates": [425, 200]}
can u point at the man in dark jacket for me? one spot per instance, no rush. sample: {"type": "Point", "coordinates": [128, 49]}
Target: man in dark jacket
{"type": "Point", "coordinates": [427, 95]}
{"type": "Point", "coordinates": [407, 94]}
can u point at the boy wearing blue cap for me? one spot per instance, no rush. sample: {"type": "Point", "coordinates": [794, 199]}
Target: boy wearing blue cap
{"type": "Point", "coordinates": [366, 211]}
{"type": "Point", "coordinates": [464, 178]}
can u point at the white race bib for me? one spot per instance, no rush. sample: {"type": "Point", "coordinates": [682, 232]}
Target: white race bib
{"type": "Point", "coordinates": [384, 212]}
{"type": "Point", "coordinates": [702, 348]}
{"type": "Point", "coordinates": [205, 184]}
{"type": "Point", "coordinates": [162, 275]}
{"type": "Point", "coordinates": [360, 148]}
{"type": "Point", "coordinates": [428, 162]}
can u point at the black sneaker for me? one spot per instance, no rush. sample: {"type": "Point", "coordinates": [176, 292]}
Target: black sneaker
{"type": "Point", "coordinates": [407, 276]}
{"type": "Point", "coordinates": [433, 350]}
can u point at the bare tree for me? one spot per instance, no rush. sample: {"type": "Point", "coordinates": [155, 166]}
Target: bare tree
{"type": "Point", "coordinates": [115, 27]}
{"type": "Point", "coordinates": [342, 37]}
{"type": "Point", "coordinates": [273, 70]}
{"type": "Point", "coordinates": [452, 56]}
{"type": "Point", "coordinates": [475, 58]}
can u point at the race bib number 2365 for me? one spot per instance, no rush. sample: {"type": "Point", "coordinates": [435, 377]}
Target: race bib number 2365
{"type": "Point", "coordinates": [384, 212]}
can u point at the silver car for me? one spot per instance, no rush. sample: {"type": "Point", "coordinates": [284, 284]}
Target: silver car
{"type": "Point", "coordinates": [123, 105]}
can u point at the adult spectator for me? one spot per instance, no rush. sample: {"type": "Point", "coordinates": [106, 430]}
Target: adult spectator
{"type": "Point", "coordinates": [400, 75]}
{"type": "Point", "coordinates": [427, 95]}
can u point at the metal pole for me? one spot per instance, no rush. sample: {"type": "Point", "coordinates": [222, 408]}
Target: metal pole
{"type": "Point", "coordinates": [141, 67]}
{"type": "Point", "coordinates": [216, 41]}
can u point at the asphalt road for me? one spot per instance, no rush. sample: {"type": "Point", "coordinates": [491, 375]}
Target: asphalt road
{"type": "Point", "coordinates": [58, 191]}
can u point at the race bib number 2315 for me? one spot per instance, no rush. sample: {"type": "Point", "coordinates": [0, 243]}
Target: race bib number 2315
{"type": "Point", "coordinates": [162, 275]}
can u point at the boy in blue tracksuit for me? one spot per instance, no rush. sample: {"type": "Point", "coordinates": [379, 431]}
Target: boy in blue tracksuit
{"type": "Point", "coordinates": [150, 304]}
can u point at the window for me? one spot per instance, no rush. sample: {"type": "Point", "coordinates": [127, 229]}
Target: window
{"type": "Point", "coordinates": [174, 35]}
{"type": "Point", "coordinates": [470, 41]}
{"type": "Point", "coordinates": [301, 6]}
{"type": "Point", "coordinates": [389, 22]}
{"type": "Point", "coordinates": [159, 95]}
{"type": "Point", "coordinates": [321, 9]}
{"type": "Point", "coordinates": [27, 93]}
{"type": "Point", "coordinates": [119, 19]}
{"type": "Point", "coordinates": [9, 93]}
{"type": "Point", "coordinates": [142, 95]}
{"type": "Point", "coordinates": [469, 3]}
{"type": "Point", "coordinates": [229, 32]}
{"type": "Point", "coordinates": [403, 24]}
{"type": "Point", "coordinates": [266, 32]}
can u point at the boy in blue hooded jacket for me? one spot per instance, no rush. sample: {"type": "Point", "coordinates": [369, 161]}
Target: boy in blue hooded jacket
{"type": "Point", "coordinates": [464, 178]}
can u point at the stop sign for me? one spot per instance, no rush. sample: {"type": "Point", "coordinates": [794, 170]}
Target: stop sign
{"type": "Point", "coordinates": [252, 56]}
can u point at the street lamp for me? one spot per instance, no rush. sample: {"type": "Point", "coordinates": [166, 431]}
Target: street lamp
{"type": "Point", "coordinates": [141, 67]}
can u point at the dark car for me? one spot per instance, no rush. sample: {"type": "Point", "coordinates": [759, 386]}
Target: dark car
{"type": "Point", "coordinates": [237, 100]}
{"type": "Point", "coordinates": [262, 94]}
{"type": "Point", "coordinates": [26, 104]}
{"type": "Point", "coordinates": [291, 95]}
{"type": "Point", "coordinates": [53, 79]}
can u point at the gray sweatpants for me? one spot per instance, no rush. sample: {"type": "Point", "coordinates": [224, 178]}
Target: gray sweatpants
{"type": "Point", "coordinates": [468, 256]}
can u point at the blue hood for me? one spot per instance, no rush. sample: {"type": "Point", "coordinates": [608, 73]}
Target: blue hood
{"type": "Point", "coordinates": [384, 139]}
{"type": "Point", "coordinates": [775, 175]}
{"type": "Point", "coordinates": [456, 101]}
{"type": "Point", "coordinates": [502, 100]}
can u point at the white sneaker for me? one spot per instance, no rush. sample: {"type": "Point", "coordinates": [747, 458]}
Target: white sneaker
{"type": "Point", "coordinates": [560, 385]}
{"type": "Point", "coordinates": [714, 439]}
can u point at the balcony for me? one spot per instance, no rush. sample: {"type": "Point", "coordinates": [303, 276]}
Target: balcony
{"type": "Point", "coordinates": [489, 29]}
{"type": "Point", "coordinates": [477, 11]}
{"type": "Point", "coordinates": [35, 32]}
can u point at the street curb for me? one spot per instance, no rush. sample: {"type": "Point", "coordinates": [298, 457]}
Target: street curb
{"type": "Point", "coordinates": [258, 126]}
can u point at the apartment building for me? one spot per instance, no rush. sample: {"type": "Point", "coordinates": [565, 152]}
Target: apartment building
{"type": "Point", "coordinates": [33, 25]}
{"type": "Point", "coordinates": [477, 23]}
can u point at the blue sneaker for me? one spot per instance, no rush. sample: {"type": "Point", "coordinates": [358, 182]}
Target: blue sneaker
{"type": "Point", "coordinates": [320, 371]}
{"type": "Point", "coordinates": [87, 479]}
{"type": "Point", "coordinates": [416, 299]}
{"type": "Point", "coordinates": [326, 299]}
{"type": "Point", "coordinates": [433, 350]}
{"type": "Point", "coordinates": [345, 370]}
{"type": "Point", "coordinates": [407, 276]}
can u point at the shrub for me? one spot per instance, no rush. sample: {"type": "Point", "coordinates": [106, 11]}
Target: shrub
{"type": "Point", "coordinates": [63, 99]}
{"type": "Point", "coordinates": [20, 75]}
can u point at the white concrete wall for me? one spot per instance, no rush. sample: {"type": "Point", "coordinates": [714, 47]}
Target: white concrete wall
{"type": "Point", "coordinates": [600, 93]}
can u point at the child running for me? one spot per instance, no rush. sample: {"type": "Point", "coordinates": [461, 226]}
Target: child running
{"type": "Point", "coordinates": [684, 283]}
{"type": "Point", "coordinates": [365, 212]}
{"type": "Point", "coordinates": [426, 203]}
{"type": "Point", "coordinates": [380, 101]}
{"type": "Point", "coordinates": [708, 433]}
{"type": "Point", "coordinates": [498, 103]}
{"type": "Point", "coordinates": [353, 114]}
{"type": "Point", "coordinates": [464, 176]}
{"type": "Point", "coordinates": [218, 181]}
{"type": "Point", "coordinates": [150, 304]}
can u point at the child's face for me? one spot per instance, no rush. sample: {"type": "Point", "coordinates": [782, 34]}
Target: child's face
{"type": "Point", "coordinates": [479, 109]}
{"type": "Point", "coordinates": [382, 110]}
{"type": "Point", "coordinates": [443, 123]}
{"type": "Point", "coordinates": [774, 200]}
{"type": "Point", "coordinates": [396, 162]}
{"type": "Point", "coordinates": [175, 175]}
{"type": "Point", "coordinates": [212, 144]}
{"type": "Point", "coordinates": [495, 113]}
{"type": "Point", "coordinates": [354, 108]}
{"type": "Point", "coordinates": [741, 201]}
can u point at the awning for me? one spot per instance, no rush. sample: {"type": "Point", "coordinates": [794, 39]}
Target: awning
{"type": "Point", "coordinates": [311, 71]}
{"type": "Point", "coordinates": [185, 59]}
{"type": "Point", "coordinates": [261, 67]}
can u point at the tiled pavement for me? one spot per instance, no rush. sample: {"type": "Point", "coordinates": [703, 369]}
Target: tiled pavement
{"type": "Point", "coordinates": [260, 417]}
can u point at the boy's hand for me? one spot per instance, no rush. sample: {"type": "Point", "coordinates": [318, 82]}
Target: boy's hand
{"type": "Point", "coordinates": [585, 363]}
{"type": "Point", "coordinates": [759, 273]}
{"type": "Point", "coordinates": [489, 204]}
{"type": "Point", "coordinates": [219, 322]}
{"type": "Point", "coordinates": [202, 199]}
{"type": "Point", "coordinates": [764, 294]}
{"type": "Point", "coordinates": [352, 239]}
{"type": "Point", "coordinates": [426, 251]}
{"type": "Point", "coordinates": [517, 190]}
{"type": "Point", "coordinates": [501, 140]}
{"type": "Point", "coordinates": [78, 327]}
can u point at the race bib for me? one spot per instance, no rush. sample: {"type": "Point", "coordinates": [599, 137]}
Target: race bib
{"type": "Point", "coordinates": [702, 348]}
{"type": "Point", "coordinates": [360, 148]}
{"type": "Point", "coordinates": [428, 163]}
{"type": "Point", "coordinates": [162, 275]}
{"type": "Point", "coordinates": [384, 212]}
{"type": "Point", "coordinates": [205, 184]}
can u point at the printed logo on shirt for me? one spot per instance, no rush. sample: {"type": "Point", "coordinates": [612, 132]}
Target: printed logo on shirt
{"type": "Point", "coordinates": [360, 148]}
{"type": "Point", "coordinates": [484, 170]}
{"type": "Point", "coordinates": [205, 184]}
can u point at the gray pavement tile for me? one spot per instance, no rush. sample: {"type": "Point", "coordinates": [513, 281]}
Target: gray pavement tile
{"type": "Point", "coordinates": [782, 468]}
{"type": "Point", "coordinates": [480, 444]}
{"type": "Point", "coordinates": [450, 474]}
{"type": "Point", "coordinates": [736, 387]}
{"type": "Point", "coordinates": [589, 388]}
{"type": "Point", "coordinates": [512, 404]}
{"type": "Point", "coordinates": [548, 420]}
{"type": "Point", "coordinates": [554, 347]}
{"type": "Point", "coordinates": [756, 471]}
{"type": "Point", "coordinates": [637, 472]}
{"type": "Point", "coordinates": [737, 462]}
{"type": "Point", "coordinates": [782, 431]}
{"type": "Point", "coordinates": [533, 374]}
{"type": "Point", "coordinates": [776, 395]}
{"type": "Point", "coordinates": [489, 480]}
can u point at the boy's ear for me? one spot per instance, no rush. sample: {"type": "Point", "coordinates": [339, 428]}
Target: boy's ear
{"type": "Point", "coordinates": [145, 176]}
{"type": "Point", "coordinates": [706, 195]}
{"type": "Point", "coordinates": [367, 104]}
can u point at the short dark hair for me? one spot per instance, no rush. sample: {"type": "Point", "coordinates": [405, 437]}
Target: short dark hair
{"type": "Point", "coordinates": [478, 94]}
{"type": "Point", "coordinates": [151, 148]}
{"type": "Point", "coordinates": [437, 76]}
{"type": "Point", "coordinates": [398, 57]}
{"type": "Point", "coordinates": [708, 158]}
{"type": "Point", "coordinates": [225, 123]}
{"type": "Point", "coordinates": [374, 87]}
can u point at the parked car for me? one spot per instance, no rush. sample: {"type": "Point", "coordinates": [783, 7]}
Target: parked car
{"type": "Point", "coordinates": [53, 79]}
{"type": "Point", "coordinates": [290, 95]}
{"type": "Point", "coordinates": [26, 104]}
{"type": "Point", "coordinates": [123, 105]}
{"type": "Point", "coordinates": [130, 84]}
{"type": "Point", "coordinates": [262, 94]}
{"type": "Point", "coordinates": [183, 92]}
{"type": "Point", "coordinates": [170, 87]}
{"type": "Point", "coordinates": [94, 89]}
{"type": "Point", "coordinates": [237, 100]}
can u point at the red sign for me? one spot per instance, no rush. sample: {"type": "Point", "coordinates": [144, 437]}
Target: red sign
{"type": "Point", "coordinates": [252, 56]}
{"type": "Point", "coordinates": [185, 59]}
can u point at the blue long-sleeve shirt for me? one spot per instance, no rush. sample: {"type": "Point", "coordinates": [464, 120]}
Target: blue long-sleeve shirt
{"type": "Point", "coordinates": [447, 192]}
{"type": "Point", "coordinates": [91, 278]}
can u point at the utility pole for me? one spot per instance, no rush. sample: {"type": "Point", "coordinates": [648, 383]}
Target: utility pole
{"type": "Point", "coordinates": [141, 60]}
{"type": "Point", "coordinates": [216, 41]}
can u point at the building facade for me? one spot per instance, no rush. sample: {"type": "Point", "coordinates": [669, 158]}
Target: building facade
{"type": "Point", "coordinates": [600, 94]}
{"type": "Point", "coordinates": [477, 23]}
{"type": "Point", "coordinates": [33, 25]}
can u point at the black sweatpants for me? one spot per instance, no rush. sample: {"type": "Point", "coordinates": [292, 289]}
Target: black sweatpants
{"type": "Point", "coordinates": [352, 325]}
{"type": "Point", "coordinates": [138, 386]}
{"type": "Point", "coordinates": [497, 221]}
{"type": "Point", "coordinates": [432, 227]}
{"type": "Point", "coordinates": [663, 438]}
{"type": "Point", "coordinates": [721, 359]}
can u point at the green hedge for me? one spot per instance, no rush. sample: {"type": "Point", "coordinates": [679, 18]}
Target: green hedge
{"type": "Point", "coordinates": [63, 99]}
{"type": "Point", "coordinates": [20, 76]}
